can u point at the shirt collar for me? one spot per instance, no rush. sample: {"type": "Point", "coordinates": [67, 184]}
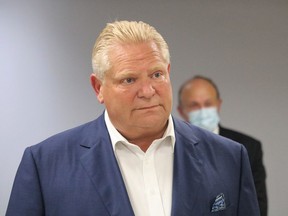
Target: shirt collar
{"type": "Point", "coordinates": [116, 137]}
{"type": "Point", "coordinates": [216, 130]}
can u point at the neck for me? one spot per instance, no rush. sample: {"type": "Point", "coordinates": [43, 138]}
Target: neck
{"type": "Point", "coordinates": [144, 142]}
{"type": "Point", "coordinates": [144, 139]}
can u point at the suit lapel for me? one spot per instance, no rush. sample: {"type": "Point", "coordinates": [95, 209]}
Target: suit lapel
{"type": "Point", "coordinates": [102, 168]}
{"type": "Point", "coordinates": [187, 178]}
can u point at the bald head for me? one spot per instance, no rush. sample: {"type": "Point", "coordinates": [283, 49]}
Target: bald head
{"type": "Point", "coordinates": [198, 93]}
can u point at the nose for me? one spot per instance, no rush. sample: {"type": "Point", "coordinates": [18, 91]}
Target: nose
{"type": "Point", "coordinates": [146, 90]}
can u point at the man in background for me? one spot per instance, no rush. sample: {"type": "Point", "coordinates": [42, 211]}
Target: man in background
{"type": "Point", "coordinates": [200, 104]}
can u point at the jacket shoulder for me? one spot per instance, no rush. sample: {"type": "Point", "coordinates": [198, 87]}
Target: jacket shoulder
{"type": "Point", "coordinates": [71, 141]}
{"type": "Point", "coordinates": [203, 138]}
{"type": "Point", "coordinates": [239, 136]}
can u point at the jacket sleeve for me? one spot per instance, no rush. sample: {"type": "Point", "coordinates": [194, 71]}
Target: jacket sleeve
{"type": "Point", "coordinates": [248, 204]}
{"type": "Point", "coordinates": [26, 198]}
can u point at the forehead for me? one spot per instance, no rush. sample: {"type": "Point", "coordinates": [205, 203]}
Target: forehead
{"type": "Point", "coordinates": [199, 88]}
{"type": "Point", "coordinates": [134, 54]}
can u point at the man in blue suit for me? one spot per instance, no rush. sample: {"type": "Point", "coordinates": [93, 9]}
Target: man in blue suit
{"type": "Point", "coordinates": [135, 159]}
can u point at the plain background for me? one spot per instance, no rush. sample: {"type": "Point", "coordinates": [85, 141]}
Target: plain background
{"type": "Point", "coordinates": [45, 51]}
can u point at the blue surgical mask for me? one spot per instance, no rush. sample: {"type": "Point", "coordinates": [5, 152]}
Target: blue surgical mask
{"type": "Point", "coordinates": [206, 118]}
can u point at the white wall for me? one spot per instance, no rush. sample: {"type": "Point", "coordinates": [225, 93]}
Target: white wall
{"type": "Point", "coordinates": [45, 49]}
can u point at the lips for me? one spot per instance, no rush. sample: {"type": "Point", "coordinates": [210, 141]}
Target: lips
{"type": "Point", "coordinates": [148, 107]}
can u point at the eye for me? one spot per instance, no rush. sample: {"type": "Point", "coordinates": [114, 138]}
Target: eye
{"type": "Point", "coordinates": [128, 80]}
{"type": "Point", "coordinates": [157, 75]}
{"type": "Point", "coordinates": [208, 104]}
{"type": "Point", "coordinates": [193, 106]}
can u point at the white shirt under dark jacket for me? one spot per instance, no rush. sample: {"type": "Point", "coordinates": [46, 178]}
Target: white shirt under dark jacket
{"type": "Point", "coordinates": [148, 176]}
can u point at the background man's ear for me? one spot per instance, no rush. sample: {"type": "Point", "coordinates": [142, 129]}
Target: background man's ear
{"type": "Point", "coordinates": [182, 113]}
{"type": "Point", "coordinates": [219, 104]}
{"type": "Point", "coordinates": [97, 86]}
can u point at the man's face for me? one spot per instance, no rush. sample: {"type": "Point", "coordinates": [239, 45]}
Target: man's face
{"type": "Point", "coordinates": [136, 90]}
{"type": "Point", "coordinates": [198, 94]}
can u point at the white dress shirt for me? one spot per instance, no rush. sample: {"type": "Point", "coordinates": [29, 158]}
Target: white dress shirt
{"type": "Point", "coordinates": [148, 176]}
{"type": "Point", "coordinates": [216, 130]}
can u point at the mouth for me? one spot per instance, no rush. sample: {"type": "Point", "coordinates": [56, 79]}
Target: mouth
{"type": "Point", "coordinates": [148, 107]}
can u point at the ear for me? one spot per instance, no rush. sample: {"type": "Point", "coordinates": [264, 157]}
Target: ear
{"type": "Point", "coordinates": [182, 113]}
{"type": "Point", "coordinates": [168, 68]}
{"type": "Point", "coordinates": [97, 86]}
{"type": "Point", "coordinates": [219, 104]}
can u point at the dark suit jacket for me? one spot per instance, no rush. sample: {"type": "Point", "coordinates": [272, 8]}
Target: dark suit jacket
{"type": "Point", "coordinates": [255, 154]}
{"type": "Point", "coordinates": [75, 173]}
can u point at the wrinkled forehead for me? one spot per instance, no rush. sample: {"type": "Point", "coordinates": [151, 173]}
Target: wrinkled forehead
{"type": "Point", "coordinates": [128, 55]}
{"type": "Point", "coordinates": [134, 47]}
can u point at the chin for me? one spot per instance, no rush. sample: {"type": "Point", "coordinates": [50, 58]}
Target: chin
{"type": "Point", "coordinates": [153, 122]}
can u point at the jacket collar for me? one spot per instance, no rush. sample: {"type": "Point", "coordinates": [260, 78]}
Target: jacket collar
{"type": "Point", "coordinates": [101, 166]}
{"type": "Point", "coordinates": [187, 177]}
{"type": "Point", "coordinates": [103, 170]}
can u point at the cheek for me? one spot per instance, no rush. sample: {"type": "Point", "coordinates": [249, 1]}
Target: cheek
{"type": "Point", "coordinates": [166, 90]}
{"type": "Point", "coordinates": [166, 96]}
{"type": "Point", "coordinates": [122, 98]}
{"type": "Point", "coordinates": [110, 96]}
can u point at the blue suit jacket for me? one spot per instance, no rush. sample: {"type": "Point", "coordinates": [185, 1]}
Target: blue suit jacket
{"type": "Point", "coordinates": [75, 173]}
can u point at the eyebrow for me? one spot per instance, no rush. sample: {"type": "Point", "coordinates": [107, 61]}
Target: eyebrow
{"type": "Point", "coordinates": [158, 67]}
{"type": "Point", "coordinates": [126, 73]}
{"type": "Point", "coordinates": [132, 72]}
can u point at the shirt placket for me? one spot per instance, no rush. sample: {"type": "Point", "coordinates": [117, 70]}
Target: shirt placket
{"type": "Point", "coordinates": [152, 190]}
